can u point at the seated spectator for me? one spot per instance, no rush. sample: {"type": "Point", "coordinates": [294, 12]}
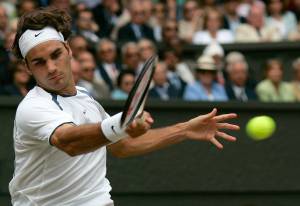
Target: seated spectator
{"type": "Point", "coordinates": [205, 88]}
{"type": "Point", "coordinates": [108, 68]}
{"type": "Point", "coordinates": [21, 81]}
{"type": "Point", "coordinates": [273, 88]}
{"type": "Point", "coordinates": [25, 6]}
{"type": "Point", "coordinates": [169, 33]}
{"type": "Point", "coordinates": [177, 68]}
{"type": "Point", "coordinates": [131, 57]}
{"type": "Point", "coordinates": [125, 83]}
{"type": "Point", "coordinates": [107, 15]}
{"type": "Point", "coordinates": [213, 30]}
{"type": "Point", "coordinates": [231, 17]}
{"type": "Point", "coordinates": [216, 51]}
{"type": "Point", "coordinates": [157, 20]}
{"type": "Point", "coordinates": [137, 28]}
{"type": "Point", "coordinates": [239, 86]}
{"type": "Point", "coordinates": [285, 21]}
{"type": "Point", "coordinates": [296, 81]}
{"type": "Point", "coordinates": [76, 70]}
{"type": "Point", "coordinates": [147, 49]}
{"type": "Point", "coordinates": [255, 29]}
{"type": "Point", "coordinates": [78, 44]}
{"type": "Point", "coordinates": [87, 27]}
{"type": "Point", "coordinates": [4, 24]}
{"type": "Point", "coordinates": [245, 7]}
{"type": "Point", "coordinates": [97, 89]}
{"type": "Point", "coordinates": [162, 89]}
{"type": "Point", "coordinates": [192, 21]}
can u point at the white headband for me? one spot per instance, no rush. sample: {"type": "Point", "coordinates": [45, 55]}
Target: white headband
{"type": "Point", "coordinates": [31, 38]}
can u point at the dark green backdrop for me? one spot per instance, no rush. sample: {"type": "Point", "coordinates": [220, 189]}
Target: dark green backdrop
{"type": "Point", "coordinates": [245, 173]}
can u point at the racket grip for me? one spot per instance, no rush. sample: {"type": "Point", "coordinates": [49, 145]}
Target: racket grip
{"type": "Point", "coordinates": [111, 128]}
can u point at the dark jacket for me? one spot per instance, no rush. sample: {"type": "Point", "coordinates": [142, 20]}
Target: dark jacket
{"type": "Point", "coordinates": [105, 76]}
{"type": "Point", "coordinates": [249, 90]}
{"type": "Point", "coordinates": [126, 33]}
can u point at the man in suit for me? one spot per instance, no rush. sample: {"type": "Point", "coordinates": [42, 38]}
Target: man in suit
{"type": "Point", "coordinates": [255, 29]}
{"type": "Point", "coordinates": [162, 89]}
{"type": "Point", "coordinates": [107, 67]}
{"type": "Point", "coordinates": [239, 87]}
{"type": "Point", "coordinates": [137, 28]}
{"type": "Point", "coordinates": [231, 19]}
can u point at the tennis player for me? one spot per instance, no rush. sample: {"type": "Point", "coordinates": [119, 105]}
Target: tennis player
{"type": "Point", "coordinates": [61, 134]}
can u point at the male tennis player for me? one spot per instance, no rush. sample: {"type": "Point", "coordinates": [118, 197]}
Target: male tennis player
{"type": "Point", "coordinates": [61, 133]}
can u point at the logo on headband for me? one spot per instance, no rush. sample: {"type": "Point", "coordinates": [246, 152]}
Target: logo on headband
{"type": "Point", "coordinates": [37, 34]}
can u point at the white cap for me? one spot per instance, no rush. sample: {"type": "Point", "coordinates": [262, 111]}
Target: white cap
{"type": "Point", "coordinates": [214, 49]}
{"type": "Point", "coordinates": [31, 38]}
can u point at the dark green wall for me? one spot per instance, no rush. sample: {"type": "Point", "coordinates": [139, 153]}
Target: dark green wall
{"type": "Point", "coordinates": [195, 173]}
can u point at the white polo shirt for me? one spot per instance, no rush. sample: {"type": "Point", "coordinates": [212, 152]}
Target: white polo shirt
{"type": "Point", "coordinates": [45, 175]}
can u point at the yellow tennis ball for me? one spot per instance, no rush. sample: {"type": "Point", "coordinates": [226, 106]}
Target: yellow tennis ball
{"type": "Point", "coordinates": [260, 127]}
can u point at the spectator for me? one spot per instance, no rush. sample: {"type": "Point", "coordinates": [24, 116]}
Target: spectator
{"type": "Point", "coordinates": [21, 83]}
{"type": "Point", "coordinates": [192, 21]}
{"type": "Point", "coordinates": [162, 89]}
{"type": "Point", "coordinates": [76, 70]}
{"type": "Point", "coordinates": [173, 57]}
{"type": "Point", "coordinates": [4, 26]}
{"type": "Point", "coordinates": [231, 18]}
{"type": "Point", "coordinates": [25, 6]}
{"type": "Point", "coordinates": [87, 27]}
{"type": "Point", "coordinates": [108, 68]}
{"type": "Point", "coordinates": [285, 21]}
{"type": "Point", "coordinates": [107, 15]}
{"type": "Point", "coordinates": [146, 48]}
{"type": "Point", "coordinates": [239, 87]}
{"type": "Point", "coordinates": [97, 89]}
{"type": "Point", "coordinates": [273, 88]}
{"type": "Point", "coordinates": [255, 29]}
{"type": "Point", "coordinates": [205, 88]}
{"type": "Point", "coordinates": [245, 7]}
{"type": "Point", "coordinates": [125, 82]}
{"type": "Point", "coordinates": [78, 44]}
{"type": "Point", "coordinates": [296, 81]}
{"type": "Point", "coordinates": [169, 33]}
{"type": "Point", "coordinates": [213, 30]}
{"type": "Point", "coordinates": [137, 28]}
{"type": "Point", "coordinates": [157, 20]}
{"type": "Point", "coordinates": [131, 57]}
{"type": "Point", "coordinates": [216, 51]}
{"type": "Point", "coordinates": [61, 4]}
{"type": "Point", "coordinates": [177, 73]}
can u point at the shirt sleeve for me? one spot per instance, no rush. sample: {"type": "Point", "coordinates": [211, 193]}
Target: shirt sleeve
{"type": "Point", "coordinates": [36, 121]}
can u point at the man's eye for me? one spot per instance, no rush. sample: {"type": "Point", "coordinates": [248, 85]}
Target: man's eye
{"type": "Point", "coordinates": [56, 55]}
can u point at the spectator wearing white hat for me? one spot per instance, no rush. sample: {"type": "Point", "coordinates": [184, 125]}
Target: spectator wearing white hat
{"type": "Point", "coordinates": [205, 88]}
{"type": "Point", "coordinates": [239, 86]}
{"type": "Point", "coordinates": [216, 51]}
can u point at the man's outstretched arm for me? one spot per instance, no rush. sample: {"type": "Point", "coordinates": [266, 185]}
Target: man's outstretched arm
{"type": "Point", "coordinates": [204, 128]}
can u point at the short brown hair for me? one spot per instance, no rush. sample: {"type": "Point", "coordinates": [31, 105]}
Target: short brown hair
{"type": "Point", "coordinates": [40, 18]}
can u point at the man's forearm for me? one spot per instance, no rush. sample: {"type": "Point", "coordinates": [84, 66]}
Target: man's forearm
{"type": "Point", "coordinates": [76, 140]}
{"type": "Point", "coordinates": [153, 140]}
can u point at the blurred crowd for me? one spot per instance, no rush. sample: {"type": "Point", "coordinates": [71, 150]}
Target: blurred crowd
{"type": "Point", "coordinates": [113, 38]}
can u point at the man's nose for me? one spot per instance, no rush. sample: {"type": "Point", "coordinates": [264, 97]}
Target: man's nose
{"type": "Point", "coordinates": [51, 66]}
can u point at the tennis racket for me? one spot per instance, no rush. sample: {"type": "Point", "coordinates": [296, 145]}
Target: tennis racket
{"type": "Point", "coordinates": [135, 102]}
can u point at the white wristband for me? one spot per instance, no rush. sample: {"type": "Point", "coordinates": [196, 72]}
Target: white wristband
{"type": "Point", "coordinates": [111, 128]}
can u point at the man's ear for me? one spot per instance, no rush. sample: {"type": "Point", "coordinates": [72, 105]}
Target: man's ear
{"type": "Point", "coordinates": [27, 66]}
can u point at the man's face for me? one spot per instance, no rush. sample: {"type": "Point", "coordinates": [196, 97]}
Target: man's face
{"type": "Point", "coordinates": [127, 83]}
{"type": "Point", "coordinates": [88, 66]}
{"type": "Point", "coordinates": [3, 19]}
{"type": "Point", "coordinates": [49, 63]}
{"type": "Point", "coordinates": [132, 57]}
{"type": "Point", "coordinates": [107, 52]}
{"type": "Point", "coordinates": [238, 74]}
{"type": "Point", "coordinates": [160, 75]}
{"type": "Point", "coordinates": [137, 14]}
